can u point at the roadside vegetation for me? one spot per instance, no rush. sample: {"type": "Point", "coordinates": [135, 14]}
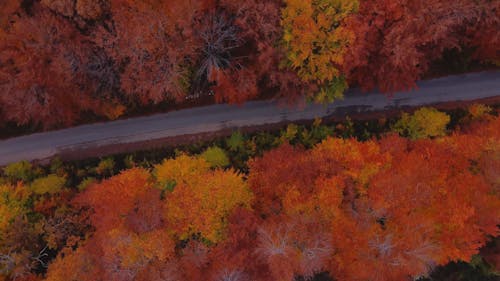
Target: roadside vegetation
{"type": "Point", "coordinates": [407, 198]}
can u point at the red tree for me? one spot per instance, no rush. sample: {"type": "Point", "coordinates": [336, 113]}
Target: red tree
{"type": "Point", "coordinates": [36, 71]}
{"type": "Point", "coordinates": [52, 74]}
{"type": "Point", "coordinates": [396, 41]}
{"type": "Point", "coordinates": [145, 40]}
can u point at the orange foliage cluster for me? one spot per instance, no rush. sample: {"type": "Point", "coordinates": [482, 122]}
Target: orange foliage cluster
{"type": "Point", "coordinates": [137, 225]}
{"type": "Point", "coordinates": [61, 59]}
{"type": "Point", "coordinates": [381, 210]}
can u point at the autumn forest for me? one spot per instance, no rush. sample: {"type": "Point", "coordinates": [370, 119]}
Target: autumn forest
{"type": "Point", "coordinates": [405, 194]}
{"type": "Point", "coordinates": [61, 60]}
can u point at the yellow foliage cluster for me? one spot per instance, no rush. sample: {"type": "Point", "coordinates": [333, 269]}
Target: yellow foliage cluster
{"type": "Point", "coordinates": [50, 184]}
{"type": "Point", "coordinates": [315, 41]}
{"type": "Point", "coordinates": [12, 203]}
{"type": "Point", "coordinates": [19, 171]}
{"type": "Point", "coordinates": [425, 122]}
{"type": "Point", "coordinates": [202, 198]}
{"type": "Point", "coordinates": [181, 170]}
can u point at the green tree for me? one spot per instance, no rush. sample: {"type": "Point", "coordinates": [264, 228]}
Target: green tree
{"type": "Point", "coordinates": [49, 184]}
{"type": "Point", "coordinates": [57, 166]}
{"type": "Point", "coordinates": [425, 122]}
{"type": "Point", "coordinates": [216, 157]}
{"type": "Point", "coordinates": [236, 141]}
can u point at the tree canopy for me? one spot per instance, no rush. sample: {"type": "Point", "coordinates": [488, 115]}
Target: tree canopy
{"type": "Point", "coordinates": [387, 209]}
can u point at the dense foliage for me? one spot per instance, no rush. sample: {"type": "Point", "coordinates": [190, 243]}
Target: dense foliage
{"type": "Point", "coordinates": [61, 60]}
{"type": "Point", "coordinates": [306, 204]}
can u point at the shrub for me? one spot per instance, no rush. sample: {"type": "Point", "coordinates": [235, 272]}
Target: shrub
{"type": "Point", "coordinates": [105, 167]}
{"type": "Point", "coordinates": [425, 122]}
{"type": "Point", "coordinates": [236, 141]}
{"type": "Point", "coordinates": [50, 184]}
{"type": "Point", "coordinates": [19, 171]}
{"type": "Point", "coordinates": [216, 157]}
{"type": "Point", "coordinates": [290, 133]}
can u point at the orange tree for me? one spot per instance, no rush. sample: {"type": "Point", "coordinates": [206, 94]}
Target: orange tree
{"type": "Point", "coordinates": [395, 207]}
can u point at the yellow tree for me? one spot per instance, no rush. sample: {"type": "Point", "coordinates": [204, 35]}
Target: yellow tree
{"type": "Point", "coordinates": [200, 199]}
{"type": "Point", "coordinates": [315, 42]}
{"type": "Point", "coordinates": [13, 199]}
{"type": "Point", "coordinates": [181, 170]}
